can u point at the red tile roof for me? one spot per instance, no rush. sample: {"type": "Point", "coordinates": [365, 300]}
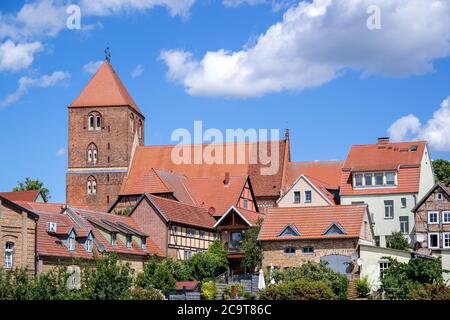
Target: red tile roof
{"type": "Point", "coordinates": [41, 206]}
{"type": "Point", "coordinates": [396, 156]}
{"type": "Point", "coordinates": [212, 192]}
{"type": "Point", "coordinates": [29, 195]}
{"type": "Point", "coordinates": [147, 183]}
{"type": "Point", "coordinates": [105, 89]}
{"type": "Point", "coordinates": [250, 216]}
{"type": "Point", "coordinates": [160, 157]}
{"type": "Point", "coordinates": [189, 285]}
{"type": "Point", "coordinates": [328, 172]}
{"type": "Point", "coordinates": [176, 211]}
{"type": "Point", "coordinates": [312, 222]}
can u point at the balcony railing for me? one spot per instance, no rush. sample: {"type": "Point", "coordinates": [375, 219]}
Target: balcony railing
{"type": "Point", "coordinates": [233, 246]}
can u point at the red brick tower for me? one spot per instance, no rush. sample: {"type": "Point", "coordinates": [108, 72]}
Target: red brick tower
{"type": "Point", "coordinates": [105, 125]}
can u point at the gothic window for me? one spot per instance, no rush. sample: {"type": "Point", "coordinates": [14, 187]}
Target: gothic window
{"type": "Point", "coordinates": [94, 121]}
{"type": "Point", "coordinates": [132, 123]}
{"type": "Point", "coordinates": [91, 186]}
{"type": "Point", "coordinates": [92, 154]}
{"type": "Point", "coordinates": [140, 128]}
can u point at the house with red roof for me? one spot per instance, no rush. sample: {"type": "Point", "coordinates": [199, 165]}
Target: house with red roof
{"type": "Point", "coordinates": [28, 195]}
{"type": "Point", "coordinates": [40, 236]}
{"type": "Point", "coordinates": [390, 177]}
{"type": "Point", "coordinates": [330, 234]}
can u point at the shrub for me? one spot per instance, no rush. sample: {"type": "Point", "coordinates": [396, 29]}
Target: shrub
{"type": "Point", "coordinates": [434, 291]}
{"type": "Point", "coordinates": [316, 272]}
{"type": "Point", "coordinates": [252, 250]}
{"type": "Point", "coordinates": [401, 279]}
{"type": "Point", "coordinates": [362, 287]}
{"type": "Point", "coordinates": [219, 255]}
{"type": "Point", "coordinates": [300, 289]}
{"type": "Point", "coordinates": [209, 290]}
{"type": "Point", "coordinates": [147, 294]}
{"type": "Point", "coordinates": [202, 266]}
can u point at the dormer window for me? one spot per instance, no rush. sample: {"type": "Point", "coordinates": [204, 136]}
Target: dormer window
{"type": "Point", "coordinates": [113, 239]}
{"type": "Point", "coordinates": [71, 241]}
{"type": "Point", "coordinates": [289, 230]}
{"type": "Point", "coordinates": [129, 240]}
{"type": "Point", "coordinates": [89, 243]}
{"type": "Point", "coordinates": [374, 179]}
{"type": "Point", "coordinates": [143, 242]}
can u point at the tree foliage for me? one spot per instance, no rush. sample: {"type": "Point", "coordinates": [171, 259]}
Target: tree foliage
{"type": "Point", "coordinates": [157, 274]}
{"type": "Point", "coordinates": [252, 250]}
{"type": "Point", "coordinates": [401, 279]}
{"type": "Point", "coordinates": [209, 290]}
{"type": "Point", "coordinates": [312, 271]}
{"type": "Point", "coordinates": [441, 170]}
{"type": "Point", "coordinates": [30, 184]}
{"type": "Point", "coordinates": [397, 241]}
{"type": "Point", "coordinates": [299, 289]}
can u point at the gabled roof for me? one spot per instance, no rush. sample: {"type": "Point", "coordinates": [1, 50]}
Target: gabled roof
{"type": "Point", "coordinates": [395, 156]}
{"type": "Point", "coordinates": [428, 194]}
{"type": "Point", "coordinates": [150, 182]}
{"type": "Point", "coordinates": [329, 172]}
{"type": "Point", "coordinates": [175, 211]}
{"type": "Point", "coordinates": [319, 186]}
{"type": "Point", "coordinates": [313, 221]}
{"type": "Point", "coordinates": [335, 226]}
{"type": "Point", "coordinates": [105, 89]}
{"type": "Point", "coordinates": [147, 157]}
{"type": "Point", "coordinates": [29, 195]}
{"type": "Point", "coordinates": [249, 217]}
{"type": "Point", "coordinates": [290, 227]}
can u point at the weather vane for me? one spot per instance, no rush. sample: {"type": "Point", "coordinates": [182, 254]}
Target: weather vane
{"type": "Point", "coordinates": [107, 54]}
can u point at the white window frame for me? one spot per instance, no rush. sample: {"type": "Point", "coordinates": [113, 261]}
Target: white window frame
{"type": "Point", "coordinates": [439, 196]}
{"type": "Point", "coordinates": [406, 202]}
{"type": "Point", "coordinates": [89, 244]}
{"type": "Point", "coordinates": [443, 217]}
{"type": "Point", "coordinates": [113, 239]}
{"type": "Point", "coordinates": [290, 248]}
{"type": "Point", "coordinates": [400, 223]}
{"type": "Point", "coordinates": [310, 196]}
{"type": "Point", "coordinates": [393, 213]}
{"type": "Point", "coordinates": [143, 243]}
{"type": "Point", "coordinates": [307, 253]}
{"type": "Point", "coordinates": [429, 242]}
{"type": "Point", "coordinates": [437, 217]}
{"type": "Point", "coordinates": [373, 179]}
{"type": "Point", "coordinates": [129, 240]}
{"type": "Point", "coordinates": [9, 255]}
{"type": "Point", "coordinates": [187, 254]}
{"type": "Point", "coordinates": [382, 266]}
{"type": "Point", "coordinates": [91, 122]}
{"type": "Point", "coordinates": [443, 239]}
{"type": "Point", "coordinates": [245, 203]}
{"type": "Point", "coordinates": [98, 122]}
{"type": "Point", "coordinates": [71, 242]}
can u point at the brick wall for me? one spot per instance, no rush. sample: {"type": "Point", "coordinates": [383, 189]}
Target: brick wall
{"type": "Point", "coordinates": [114, 143]}
{"type": "Point", "coordinates": [19, 228]}
{"type": "Point", "coordinates": [152, 224]}
{"type": "Point", "coordinates": [273, 251]}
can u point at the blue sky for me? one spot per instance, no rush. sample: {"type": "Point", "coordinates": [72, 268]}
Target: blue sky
{"type": "Point", "coordinates": [356, 104]}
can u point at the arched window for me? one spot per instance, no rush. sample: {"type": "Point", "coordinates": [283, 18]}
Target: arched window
{"type": "Point", "coordinates": [92, 154]}
{"type": "Point", "coordinates": [91, 186]}
{"type": "Point", "coordinates": [140, 128]}
{"type": "Point", "coordinates": [9, 255]}
{"type": "Point", "coordinates": [132, 123]}
{"type": "Point", "coordinates": [94, 121]}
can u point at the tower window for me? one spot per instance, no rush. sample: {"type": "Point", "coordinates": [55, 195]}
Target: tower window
{"type": "Point", "coordinates": [95, 121]}
{"type": "Point", "coordinates": [91, 186]}
{"type": "Point", "coordinates": [140, 128]}
{"type": "Point", "coordinates": [92, 154]}
{"type": "Point", "coordinates": [132, 123]}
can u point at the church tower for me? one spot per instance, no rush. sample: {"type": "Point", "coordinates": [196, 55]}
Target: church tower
{"type": "Point", "coordinates": [105, 126]}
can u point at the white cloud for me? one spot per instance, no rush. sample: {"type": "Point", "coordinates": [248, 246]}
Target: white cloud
{"type": "Point", "coordinates": [25, 83]}
{"type": "Point", "coordinates": [61, 152]}
{"type": "Point", "coordinates": [318, 41]}
{"type": "Point", "coordinates": [137, 71]}
{"type": "Point", "coordinates": [92, 66]}
{"type": "Point", "coordinates": [436, 131]}
{"type": "Point", "coordinates": [14, 57]}
{"type": "Point", "coordinates": [35, 19]}
{"type": "Point", "coordinates": [237, 3]}
{"type": "Point", "coordinates": [110, 7]}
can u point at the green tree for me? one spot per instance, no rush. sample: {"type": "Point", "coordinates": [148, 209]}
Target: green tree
{"type": "Point", "coordinates": [252, 250]}
{"type": "Point", "coordinates": [107, 279]}
{"type": "Point", "coordinates": [202, 265]}
{"type": "Point", "coordinates": [397, 241]}
{"type": "Point", "coordinates": [157, 274]}
{"type": "Point", "coordinates": [30, 184]}
{"type": "Point", "coordinates": [209, 290]}
{"type": "Point", "coordinates": [441, 170]}
{"type": "Point", "coordinates": [53, 286]}
{"type": "Point", "coordinates": [219, 255]}
{"type": "Point", "coordinates": [401, 279]}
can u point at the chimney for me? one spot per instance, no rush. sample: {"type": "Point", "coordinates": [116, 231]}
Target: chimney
{"type": "Point", "coordinates": [226, 181]}
{"type": "Point", "coordinates": [383, 140]}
